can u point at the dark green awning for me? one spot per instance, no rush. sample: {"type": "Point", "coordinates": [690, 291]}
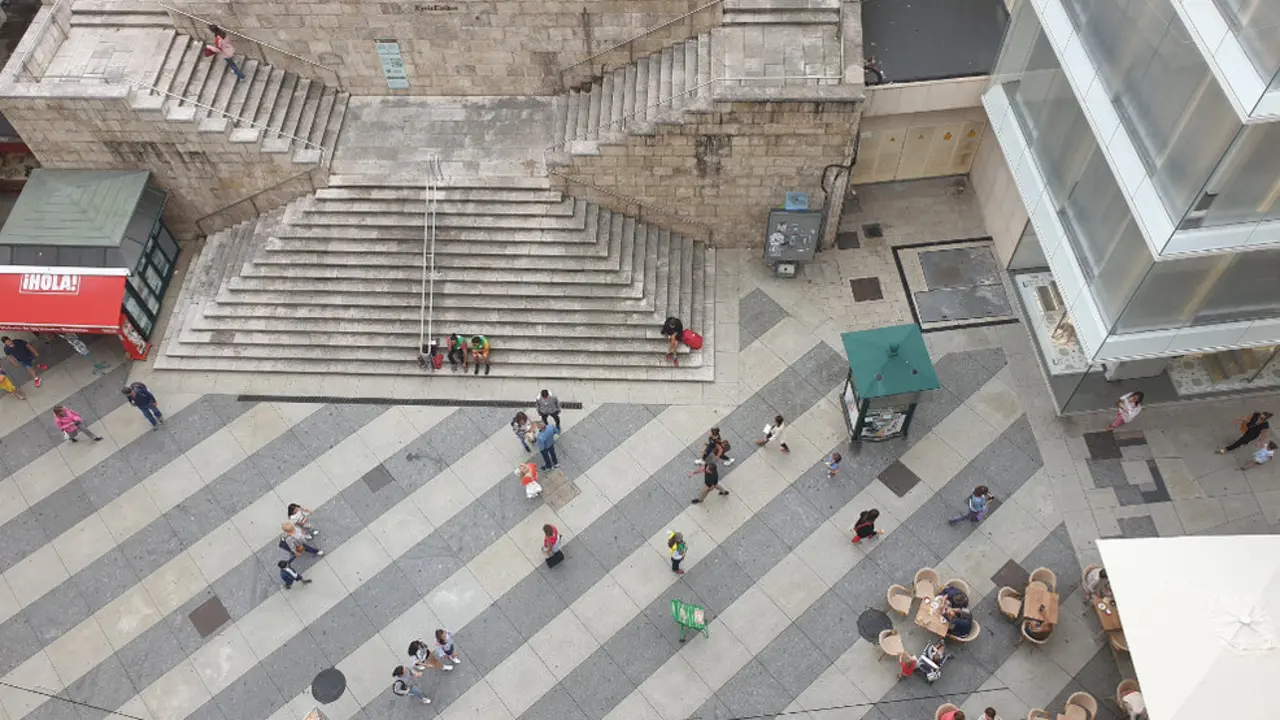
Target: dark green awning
{"type": "Point", "coordinates": [74, 208]}
{"type": "Point", "coordinates": [889, 361]}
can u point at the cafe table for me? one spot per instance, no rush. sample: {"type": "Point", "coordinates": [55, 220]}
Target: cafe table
{"type": "Point", "coordinates": [930, 617]}
{"type": "Point", "coordinates": [1108, 615]}
{"type": "Point", "coordinates": [1040, 604]}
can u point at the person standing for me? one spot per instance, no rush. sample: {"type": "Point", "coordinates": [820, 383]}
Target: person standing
{"type": "Point", "coordinates": [223, 48]}
{"type": "Point", "coordinates": [23, 354]}
{"type": "Point", "coordinates": [295, 541]}
{"type": "Point", "coordinates": [673, 329]}
{"type": "Point", "coordinates": [675, 541]}
{"type": "Point", "coordinates": [300, 517]}
{"type": "Point", "coordinates": [402, 684]}
{"type": "Point", "coordinates": [549, 407]}
{"type": "Point", "coordinates": [865, 527]}
{"type": "Point", "coordinates": [480, 352]}
{"type": "Point", "coordinates": [422, 656]}
{"type": "Point", "coordinates": [833, 464]}
{"type": "Point", "coordinates": [7, 385]}
{"type": "Point", "coordinates": [978, 505]}
{"type": "Point", "coordinates": [1262, 456]}
{"type": "Point", "coordinates": [520, 426]}
{"type": "Point", "coordinates": [716, 447]}
{"type": "Point", "coordinates": [1127, 409]}
{"type": "Point", "coordinates": [1255, 427]}
{"type": "Point", "coordinates": [289, 575]}
{"type": "Point", "coordinates": [710, 480]}
{"type": "Point", "coordinates": [547, 446]}
{"type": "Point", "coordinates": [551, 545]}
{"type": "Point", "coordinates": [141, 398]}
{"type": "Point", "coordinates": [71, 424]}
{"type": "Point", "coordinates": [444, 647]}
{"type": "Point", "coordinates": [776, 433]}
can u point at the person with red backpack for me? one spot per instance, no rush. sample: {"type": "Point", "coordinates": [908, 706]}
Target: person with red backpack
{"type": "Point", "coordinates": [674, 330]}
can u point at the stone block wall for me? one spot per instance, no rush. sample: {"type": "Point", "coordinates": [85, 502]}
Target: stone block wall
{"type": "Point", "coordinates": [202, 172]}
{"type": "Point", "coordinates": [449, 47]}
{"type": "Point", "coordinates": [727, 168]}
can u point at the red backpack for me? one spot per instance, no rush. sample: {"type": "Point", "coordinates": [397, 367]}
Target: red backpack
{"type": "Point", "coordinates": [692, 339]}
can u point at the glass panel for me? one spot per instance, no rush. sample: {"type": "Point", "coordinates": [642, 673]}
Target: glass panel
{"type": "Point", "coordinates": [1170, 294]}
{"type": "Point", "coordinates": [1257, 25]}
{"type": "Point", "coordinates": [161, 264]}
{"type": "Point", "coordinates": [1029, 253]}
{"type": "Point", "coordinates": [1174, 109]}
{"type": "Point", "coordinates": [154, 280]}
{"type": "Point", "coordinates": [167, 244]}
{"type": "Point", "coordinates": [1246, 290]}
{"type": "Point", "coordinates": [1246, 186]}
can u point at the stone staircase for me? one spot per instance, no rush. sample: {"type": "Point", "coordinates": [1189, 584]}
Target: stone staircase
{"type": "Point", "coordinates": [332, 283]}
{"type": "Point", "coordinates": [277, 110]}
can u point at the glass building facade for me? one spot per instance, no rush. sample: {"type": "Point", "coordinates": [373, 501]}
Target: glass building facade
{"type": "Point", "coordinates": [1173, 134]}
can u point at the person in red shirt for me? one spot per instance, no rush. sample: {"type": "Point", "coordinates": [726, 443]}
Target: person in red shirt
{"type": "Point", "coordinates": [550, 540]}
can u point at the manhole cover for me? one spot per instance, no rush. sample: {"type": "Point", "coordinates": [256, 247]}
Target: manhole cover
{"type": "Point", "coordinates": [873, 230]}
{"type": "Point", "coordinates": [872, 622]}
{"type": "Point", "coordinates": [330, 684]}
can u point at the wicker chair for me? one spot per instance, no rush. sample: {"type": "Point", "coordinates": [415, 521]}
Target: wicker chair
{"type": "Point", "coordinates": [973, 634]}
{"type": "Point", "coordinates": [1023, 634]}
{"type": "Point", "coordinates": [1085, 573]}
{"type": "Point", "coordinates": [943, 709]}
{"type": "Point", "coordinates": [1039, 714]}
{"type": "Point", "coordinates": [1084, 701]}
{"type": "Point", "coordinates": [927, 583]}
{"type": "Point", "coordinates": [1046, 576]}
{"type": "Point", "coordinates": [891, 644]}
{"type": "Point", "coordinates": [1125, 687]}
{"type": "Point", "coordinates": [900, 600]}
{"type": "Point", "coordinates": [1118, 641]}
{"type": "Point", "coordinates": [1010, 601]}
{"type": "Point", "coordinates": [962, 585]}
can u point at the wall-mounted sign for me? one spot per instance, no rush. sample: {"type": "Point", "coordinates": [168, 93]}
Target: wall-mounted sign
{"type": "Point", "coordinates": [392, 63]}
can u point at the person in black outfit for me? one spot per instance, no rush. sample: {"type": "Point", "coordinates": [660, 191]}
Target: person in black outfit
{"type": "Point", "coordinates": [673, 329]}
{"type": "Point", "coordinates": [457, 352]}
{"type": "Point", "coordinates": [1255, 427]}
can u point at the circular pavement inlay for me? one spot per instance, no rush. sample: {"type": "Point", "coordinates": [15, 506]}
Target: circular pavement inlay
{"type": "Point", "coordinates": [331, 683]}
{"type": "Point", "coordinates": [871, 622]}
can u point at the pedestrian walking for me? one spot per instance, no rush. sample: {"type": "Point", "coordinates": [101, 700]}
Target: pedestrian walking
{"type": "Point", "coordinates": [71, 424]}
{"type": "Point", "coordinates": [1262, 456]}
{"type": "Point", "coordinates": [23, 354]}
{"type": "Point", "coordinates": [223, 48]}
{"type": "Point", "coordinates": [547, 446]}
{"type": "Point", "coordinates": [833, 464]}
{"type": "Point", "coordinates": [710, 480]}
{"type": "Point", "coordinates": [7, 385]}
{"type": "Point", "coordinates": [402, 684]}
{"type": "Point", "coordinates": [549, 407]}
{"type": "Point", "coordinates": [289, 575]}
{"type": "Point", "coordinates": [301, 519]}
{"type": "Point", "coordinates": [528, 474]}
{"type": "Point", "coordinates": [423, 657]}
{"type": "Point", "coordinates": [99, 367]}
{"type": "Point", "coordinates": [143, 399]}
{"type": "Point", "coordinates": [1127, 409]}
{"type": "Point", "coordinates": [521, 426]}
{"type": "Point", "coordinates": [295, 541]}
{"type": "Point", "coordinates": [1255, 427]}
{"type": "Point", "coordinates": [865, 527]}
{"type": "Point", "coordinates": [990, 714]}
{"type": "Point", "coordinates": [675, 541]}
{"type": "Point", "coordinates": [978, 504]}
{"type": "Point", "coordinates": [480, 352]}
{"type": "Point", "coordinates": [673, 329]}
{"type": "Point", "coordinates": [457, 352]}
{"type": "Point", "coordinates": [551, 545]}
{"type": "Point", "coordinates": [444, 647]}
{"type": "Point", "coordinates": [776, 433]}
{"type": "Point", "coordinates": [716, 447]}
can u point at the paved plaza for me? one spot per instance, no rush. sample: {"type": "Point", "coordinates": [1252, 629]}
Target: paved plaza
{"type": "Point", "coordinates": [139, 573]}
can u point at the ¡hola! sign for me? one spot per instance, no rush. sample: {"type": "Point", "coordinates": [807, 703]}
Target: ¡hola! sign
{"type": "Point", "coordinates": [49, 284]}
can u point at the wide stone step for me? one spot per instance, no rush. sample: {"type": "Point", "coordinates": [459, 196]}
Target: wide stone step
{"type": "Point", "coordinates": [410, 326]}
{"type": "Point", "coordinates": [269, 266]}
{"type": "Point", "coordinates": [506, 182]}
{"type": "Point", "coordinates": [380, 282]}
{"type": "Point", "coordinates": [132, 19]}
{"type": "Point", "coordinates": [545, 353]}
{"type": "Point", "coordinates": [418, 207]}
{"type": "Point", "coordinates": [410, 254]}
{"type": "Point", "coordinates": [304, 291]}
{"type": "Point", "coordinates": [244, 307]}
{"type": "Point", "coordinates": [313, 218]}
{"type": "Point", "coordinates": [458, 195]}
{"type": "Point", "coordinates": [524, 342]}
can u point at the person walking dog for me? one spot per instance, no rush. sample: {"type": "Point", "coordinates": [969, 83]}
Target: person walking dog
{"type": "Point", "coordinates": [143, 399]}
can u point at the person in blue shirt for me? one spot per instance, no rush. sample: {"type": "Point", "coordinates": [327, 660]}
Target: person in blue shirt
{"type": "Point", "coordinates": [546, 442]}
{"type": "Point", "coordinates": [142, 398]}
{"type": "Point", "coordinates": [979, 504]}
{"type": "Point", "coordinates": [959, 622]}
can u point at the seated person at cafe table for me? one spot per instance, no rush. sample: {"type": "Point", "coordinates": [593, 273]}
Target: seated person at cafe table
{"type": "Point", "coordinates": [959, 622]}
{"type": "Point", "coordinates": [1097, 584]}
{"type": "Point", "coordinates": [1038, 629]}
{"type": "Point", "coordinates": [955, 597]}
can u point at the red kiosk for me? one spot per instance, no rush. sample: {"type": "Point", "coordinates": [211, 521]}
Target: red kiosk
{"type": "Point", "coordinates": [86, 252]}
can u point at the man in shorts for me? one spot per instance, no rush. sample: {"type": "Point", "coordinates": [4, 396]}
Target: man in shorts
{"type": "Point", "coordinates": [710, 479]}
{"type": "Point", "coordinates": [480, 352]}
{"type": "Point", "coordinates": [7, 385]}
{"type": "Point", "coordinates": [23, 354]}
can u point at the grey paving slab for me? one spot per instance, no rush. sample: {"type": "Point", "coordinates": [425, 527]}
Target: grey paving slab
{"type": "Point", "coordinates": [56, 613]}
{"type": "Point", "coordinates": [823, 368]}
{"type": "Point", "coordinates": [1001, 466]}
{"type": "Point", "coordinates": [157, 653]}
{"type": "Point", "coordinates": [281, 458]}
{"type": "Point", "coordinates": [377, 478]}
{"type": "Point", "coordinates": [650, 507]}
{"type": "Point", "coordinates": [718, 580]}
{"type": "Point", "coordinates": [639, 648]}
{"type": "Point", "coordinates": [383, 597]}
{"type": "Point", "coordinates": [254, 697]}
{"type": "Point", "coordinates": [179, 624]}
{"type": "Point", "coordinates": [1106, 710]}
{"type": "Point", "coordinates": [793, 660]}
{"type": "Point", "coordinates": [245, 586]}
{"type": "Point", "coordinates": [104, 579]}
{"type": "Point", "coordinates": [109, 686]}
{"type": "Point", "coordinates": [199, 420]}
{"type": "Point", "coordinates": [30, 441]}
{"type": "Point", "coordinates": [900, 554]}
{"type": "Point", "coordinates": [899, 478]}
{"type": "Point", "coordinates": [470, 531]}
{"type": "Point", "coordinates": [993, 358]}
{"type": "Point", "coordinates": [197, 516]}
{"type": "Point", "coordinates": [331, 424]}
{"type": "Point", "coordinates": [1056, 553]}
{"type": "Point", "coordinates": [790, 393]}
{"type": "Point", "coordinates": [236, 490]}
{"type": "Point", "coordinates": [152, 451]}
{"type": "Point", "coordinates": [1100, 676]}
{"type": "Point", "coordinates": [622, 420]}
{"type": "Point", "coordinates": [341, 523]}
{"type": "Point", "coordinates": [999, 637]}
{"type": "Point", "coordinates": [506, 502]}
{"type": "Point", "coordinates": [533, 602]}
{"type": "Point", "coordinates": [961, 373]}
{"type": "Point", "coordinates": [341, 630]}
{"type": "Point", "coordinates": [791, 517]}
{"type": "Point", "coordinates": [934, 408]}
{"type": "Point", "coordinates": [557, 704]}
{"type": "Point", "coordinates": [1138, 527]}
{"type": "Point", "coordinates": [1011, 574]}
{"type": "Point", "coordinates": [714, 709]}
{"type": "Point", "coordinates": [209, 711]}
{"type": "Point", "coordinates": [488, 639]}
{"type": "Point", "coordinates": [831, 622]}
{"type": "Point", "coordinates": [19, 641]}
{"type": "Point", "coordinates": [1102, 445]}
{"type": "Point", "coordinates": [1021, 435]}
{"type": "Point", "coordinates": [70, 504]}
{"type": "Point", "coordinates": [753, 692]}
{"type": "Point", "coordinates": [294, 664]}
{"type": "Point", "coordinates": [599, 686]}
{"type": "Point", "coordinates": [581, 569]}
{"type": "Point", "coordinates": [368, 504]}
{"type": "Point", "coordinates": [612, 537]}
{"type": "Point", "coordinates": [151, 547]}
{"type": "Point", "coordinates": [209, 616]}
{"type": "Point", "coordinates": [758, 313]}
{"type": "Point", "coordinates": [1107, 473]}
{"type": "Point", "coordinates": [1130, 495]}
{"type": "Point", "coordinates": [755, 548]}
{"type": "Point", "coordinates": [428, 563]}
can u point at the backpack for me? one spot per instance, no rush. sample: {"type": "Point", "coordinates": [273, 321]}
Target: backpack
{"type": "Point", "coordinates": [285, 546]}
{"type": "Point", "coordinates": [437, 361]}
{"type": "Point", "coordinates": [692, 339]}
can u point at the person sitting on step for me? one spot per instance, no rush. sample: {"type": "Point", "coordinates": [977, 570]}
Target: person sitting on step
{"type": "Point", "coordinates": [457, 352]}
{"type": "Point", "coordinates": [480, 352]}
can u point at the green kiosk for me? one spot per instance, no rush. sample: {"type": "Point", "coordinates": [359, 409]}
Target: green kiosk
{"type": "Point", "coordinates": [889, 372]}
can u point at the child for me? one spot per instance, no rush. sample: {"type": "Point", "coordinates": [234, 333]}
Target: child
{"type": "Point", "coordinates": [1263, 455]}
{"type": "Point", "coordinates": [528, 474]}
{"type": "Point", "coordinates": [675, 541]}
{"type": "Point", "coordinates": [299, 515]}
{"type": "Point", "coordinates": [7, 385]}
{"type": "Point", "coordinates": [401, 685]}
{"type": "Point", "coordinates": [775, 432]}
{"type": "Point", "coordinates": [423, 657]}
{"type": "Point", "coordinates": [979, 504]}
{"type": "Point", "coordinates": [865, 527]}
{"type": "Point", "coordinates": [289, 575]}
{"type": "Point", "coordinates": [445, 649]}
{"type": "Point", "coordinates": [1127, 409]}
{"type": "Point", "coordinates": [833, 464]}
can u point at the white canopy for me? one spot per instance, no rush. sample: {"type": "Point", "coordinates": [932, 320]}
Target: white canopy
{"type": "Point", "coordinates": [1202, 619]}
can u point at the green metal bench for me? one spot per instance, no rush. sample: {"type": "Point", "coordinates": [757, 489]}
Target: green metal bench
{"type": "Point", "coordinates": [689, 617]}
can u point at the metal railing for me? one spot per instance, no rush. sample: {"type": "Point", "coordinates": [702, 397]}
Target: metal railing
{"type": "Point", "coordinates": [426, 316]}
{"type": "Point", "coordinates": [200, 29]}
{"type": "Point", "coordinates": [252, 200]}
{"type": "Point", "coordinates": [35, 39]}
{"type": "Point", "coordinates": [630, 43]}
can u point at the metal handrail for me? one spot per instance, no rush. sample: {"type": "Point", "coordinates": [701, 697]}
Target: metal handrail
{"type": "Point", "coordinates": [337, 76]}
{"type": "Point", "coordinates": [646, 33]}
{"type": "Point", "coordinates": [252, 198]}
{"type": "Point", "coordinates": [426, 316]}
{"type": "Point", "coordinates": [36, 39]}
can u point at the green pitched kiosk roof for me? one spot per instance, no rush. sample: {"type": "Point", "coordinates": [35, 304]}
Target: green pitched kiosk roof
{"type": "Point", "coordinates": [889, 361]}
{"type": "Point", "coordinates": [74, 208]}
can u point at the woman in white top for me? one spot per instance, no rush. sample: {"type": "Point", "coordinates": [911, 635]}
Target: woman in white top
{"type": "Point", "coordinates": [776, 433]}
{"type": "Point", "coordinates": [299, 515]}
{"type": "Point", "coordinates": [1127, 409]}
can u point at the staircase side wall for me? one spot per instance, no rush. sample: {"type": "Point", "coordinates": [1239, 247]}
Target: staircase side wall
{"type": "Point", "coordinates": [449, 47]}
{"type": "Point", "coordinates": [202, 172]}
{"type": "Point", "coordinates": [727, 169]}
